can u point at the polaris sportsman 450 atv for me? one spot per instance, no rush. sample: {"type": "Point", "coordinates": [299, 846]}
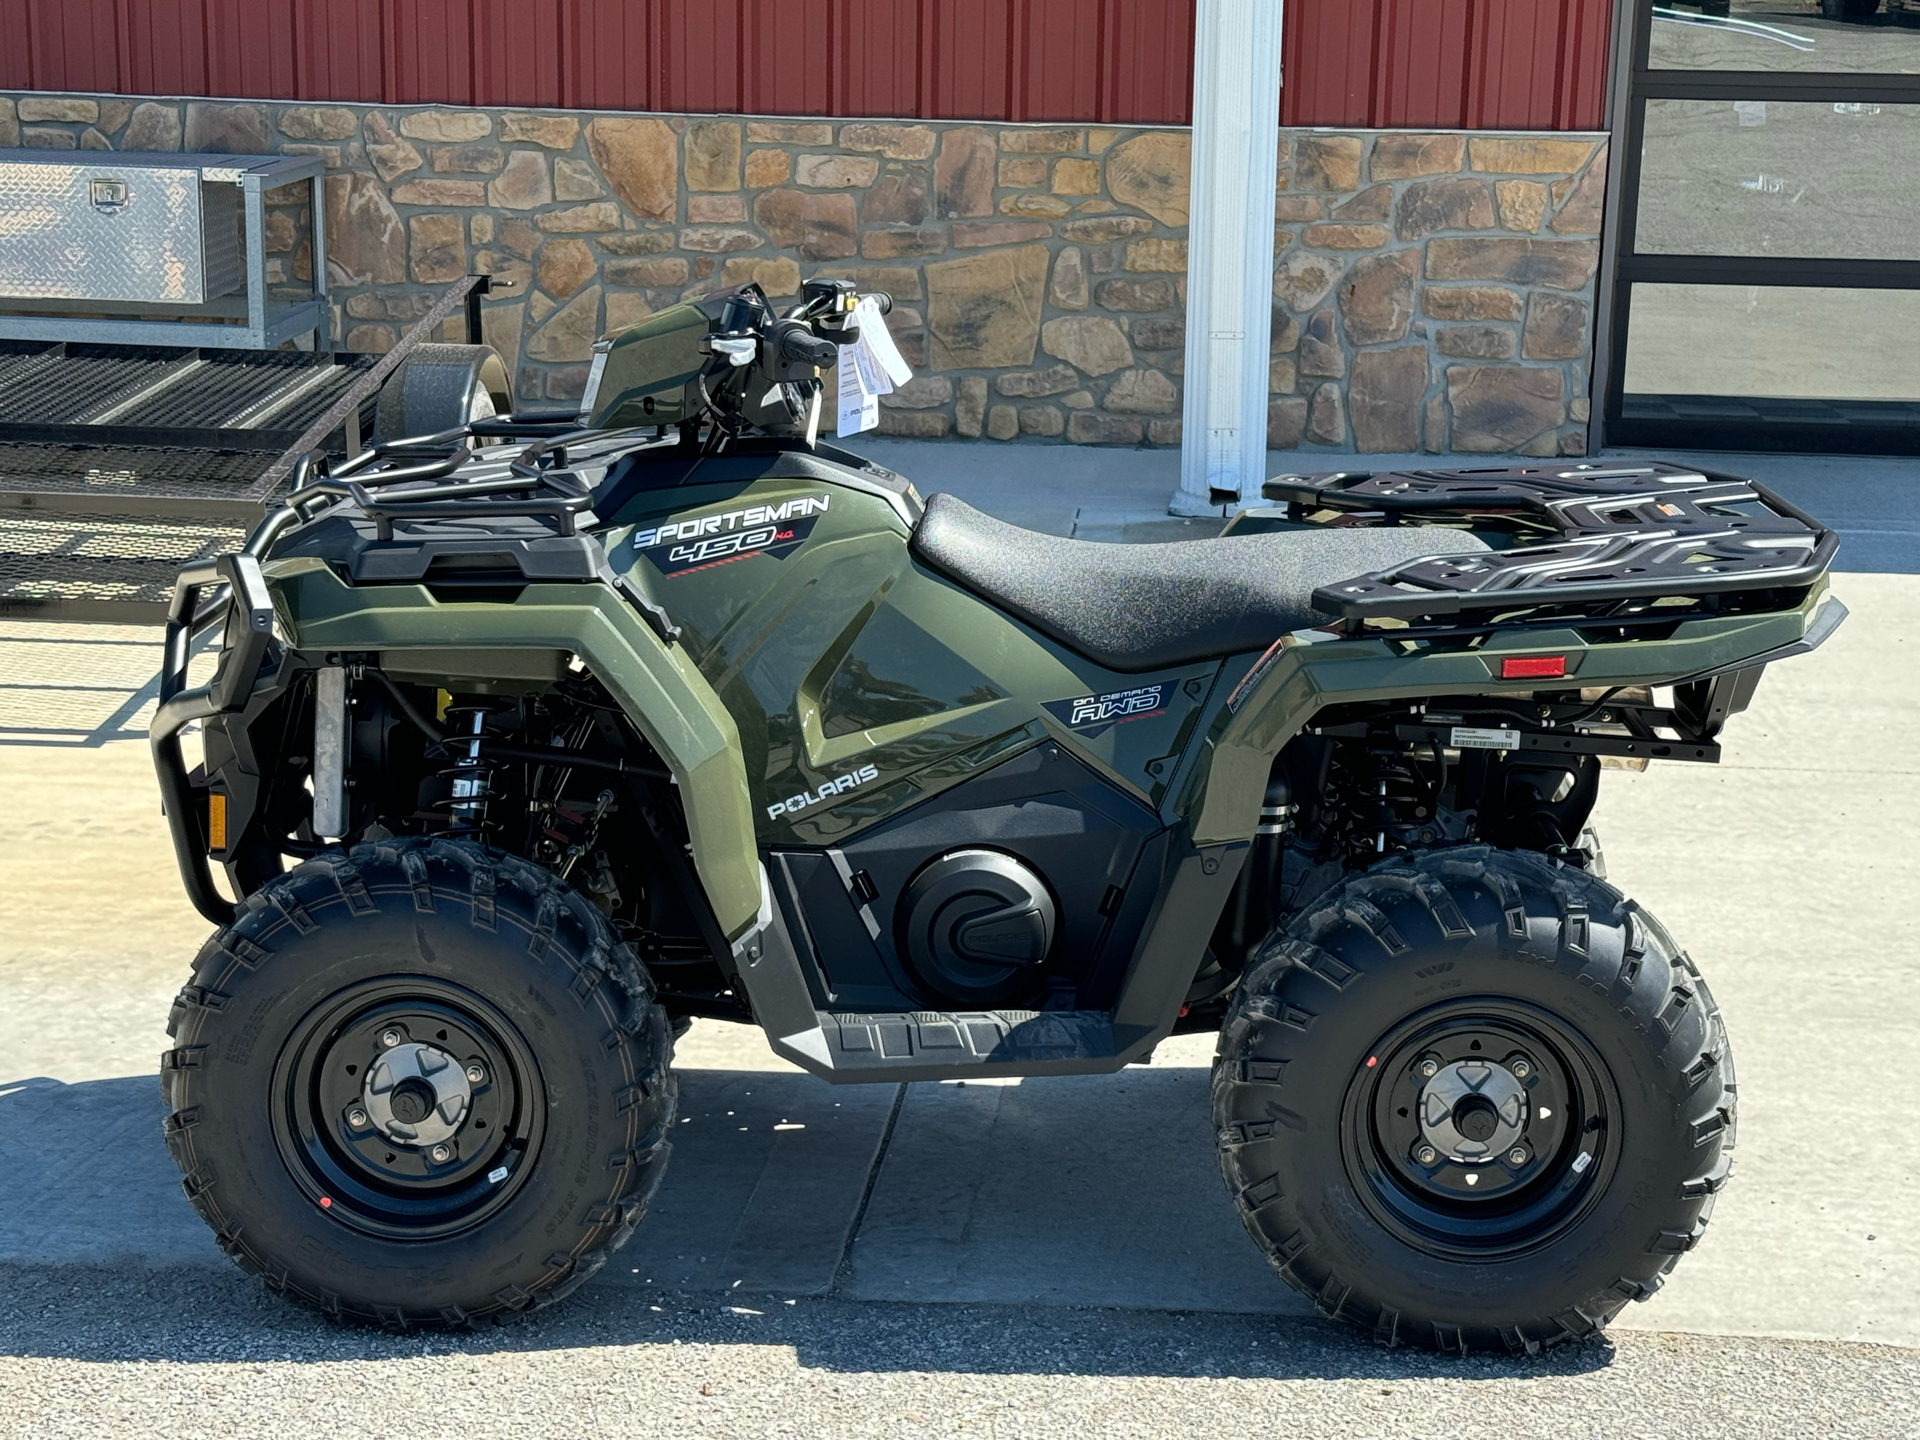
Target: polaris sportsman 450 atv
{"type": "Point", "coordinates": [531, 740]}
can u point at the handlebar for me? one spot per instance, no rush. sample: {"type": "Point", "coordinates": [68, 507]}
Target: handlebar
{"type": "Point", "coordinates": [798, 344]}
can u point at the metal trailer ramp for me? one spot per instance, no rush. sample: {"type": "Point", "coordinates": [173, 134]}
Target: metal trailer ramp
{"type": "Point", "coordinates": [119, 464]}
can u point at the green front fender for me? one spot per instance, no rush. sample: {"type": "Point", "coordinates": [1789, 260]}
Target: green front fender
{"type": "Point", "coordinates": [659, 688]}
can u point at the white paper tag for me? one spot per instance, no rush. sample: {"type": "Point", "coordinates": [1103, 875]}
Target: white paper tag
{"type": "Point", "coordinates": [870, 367]}
{"type": "Point", "coordinates": [873, 378]}
{"type": "Point", "coordinates": [859, 408]}
{"type": "Point", "coordinates": [1473, 737]}
{"type": "Point", "coordinates": [878, 342]}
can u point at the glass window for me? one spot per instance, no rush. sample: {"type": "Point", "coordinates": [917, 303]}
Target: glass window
{"type": "Point", "coordinates": [1846, 36]}
{"type": "Point", "coordinates": [1787, 342]}
{"type": "Point", "coordinates": [1816, 179]}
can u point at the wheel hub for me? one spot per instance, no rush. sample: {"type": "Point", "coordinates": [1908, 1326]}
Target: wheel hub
{"type": "Point", "coordinates": [1480, 1126]}
{"type": "Point", "coordinates": [416, 1094]}
{"type": "Point", "coordinates": [1472, 1110]}
{"type": "Point", "coordinates": [410, 1107]}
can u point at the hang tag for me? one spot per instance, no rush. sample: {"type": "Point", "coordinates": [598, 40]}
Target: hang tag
{"type": "Point", "coordinates": [870, 367]}
{"type": "Point", "coordinates": [858, 407]}
{"type": "Point", "coordinates": [878, 341]}
{"type": "Point", "coordinates": [873, 376]}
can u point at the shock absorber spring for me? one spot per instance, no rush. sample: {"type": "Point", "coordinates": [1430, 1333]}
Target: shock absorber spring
{"type": "Point", "coordinates": [472, 777]}
{"type": "Point", "coordinates": [1398, 795]}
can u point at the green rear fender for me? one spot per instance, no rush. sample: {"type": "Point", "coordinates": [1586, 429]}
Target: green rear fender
{"type": "Point", "coordinates": [1262, 702]}
{"type": "Point", "coordinates": [661, 691]}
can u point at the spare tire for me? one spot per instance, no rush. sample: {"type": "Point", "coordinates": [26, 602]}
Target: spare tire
{"type": "Point", "coordinates": [442, 387]}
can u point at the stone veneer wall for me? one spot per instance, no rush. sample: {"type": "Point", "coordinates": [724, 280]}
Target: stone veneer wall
{"type": "Point", "coordinates": [1431, 290]}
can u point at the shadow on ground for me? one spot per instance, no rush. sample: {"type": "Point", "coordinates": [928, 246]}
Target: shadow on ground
{"type": "Point", "coordinates": [1098, 1196]}
{"type": "Point", "coordinates": [1095, 1193]}
{"type": "Point", "coordinates": [184, 1315]}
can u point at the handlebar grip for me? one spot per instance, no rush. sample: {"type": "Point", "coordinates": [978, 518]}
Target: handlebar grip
{"type": "Point", "coordinates": [798, 344]}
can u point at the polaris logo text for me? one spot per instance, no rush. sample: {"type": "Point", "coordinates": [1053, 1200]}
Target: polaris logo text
{"type": "Point", "coordinates": [1092, 714]}
{"type": "Point", "coordinates": [837, 786]}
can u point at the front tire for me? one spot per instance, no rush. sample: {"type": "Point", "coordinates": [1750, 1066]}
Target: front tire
{"type": "Point", "coordinates": [420, 1084]}
{"type": "Point", "coordinates": [1475, 1099]}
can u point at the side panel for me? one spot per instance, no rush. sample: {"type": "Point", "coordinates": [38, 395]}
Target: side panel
{"type": "Point", "coordinates": [1086, 839]}
{"type": "Point", "coordinates": [860, 683]}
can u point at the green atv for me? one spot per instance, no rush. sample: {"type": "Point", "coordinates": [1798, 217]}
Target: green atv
{"type": "Point", "coordinates": [576, 727]}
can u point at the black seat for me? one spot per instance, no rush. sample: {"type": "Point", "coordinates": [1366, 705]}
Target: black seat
{"type": "Point", "coordinates": [1146, 607]}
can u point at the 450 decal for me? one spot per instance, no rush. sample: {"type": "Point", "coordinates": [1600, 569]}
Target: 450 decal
{"type": "Point", "coordinates": [678, 557]}
{"type": "Point", "coordinates": [679, 547]}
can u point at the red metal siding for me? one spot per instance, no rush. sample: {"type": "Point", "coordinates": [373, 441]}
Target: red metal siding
{"type": "Point", "coordinates": [430, 51]}
{"type": "Point", "coordinates": [1448, 64]}
{"type": "Point", "coordinates": [879, 58]}
{"type": "Point", "coordinates": [517, 50]}
{"type": "Point", "coordinates": [250, 48]}
{"type": "Point", "coordinates": [1521, 64]}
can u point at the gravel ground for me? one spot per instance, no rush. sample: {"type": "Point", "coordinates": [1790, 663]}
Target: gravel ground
{"type": "Point", "coordinates": [161, 1353]}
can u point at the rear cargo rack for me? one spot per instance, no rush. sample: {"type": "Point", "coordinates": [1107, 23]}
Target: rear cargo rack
{"type": "Point", "coordinates": [1605, 534]}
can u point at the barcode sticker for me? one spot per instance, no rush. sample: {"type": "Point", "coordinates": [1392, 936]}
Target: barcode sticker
{"type": "Point", "coordinates": [1474, 737]}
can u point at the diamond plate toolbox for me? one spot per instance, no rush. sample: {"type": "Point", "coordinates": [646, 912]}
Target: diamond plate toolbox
{"type": "Point", "coordinates": [151, 228]}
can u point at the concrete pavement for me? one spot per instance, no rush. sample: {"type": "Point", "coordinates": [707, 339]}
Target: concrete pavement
{"type": "Point", "coordinates": [1045, 1257]}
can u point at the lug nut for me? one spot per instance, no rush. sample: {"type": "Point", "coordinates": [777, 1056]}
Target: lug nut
{"type": "Point", "coordinates": [1517, 1155]}
{"type": "Point", "coordinates": [390, 1038]}
{"type": "Point", "coordinates": [476, 1075]}
{"type": "Point", "coordinates": [1427, 1069]}
{"type": "Point", "coordinates": [357, 1118]}
{"type": "Point", "coordinates": [1426, 1155]}
{"type": "Point", "coordinates": [1521, 1069]}
{"type": "Point", "coordinates": [440, 1154]}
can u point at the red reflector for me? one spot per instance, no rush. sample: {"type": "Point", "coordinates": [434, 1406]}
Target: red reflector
{"type": "Point", "coordinates": [1533, 667]}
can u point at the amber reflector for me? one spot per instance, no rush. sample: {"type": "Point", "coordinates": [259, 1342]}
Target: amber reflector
{"type": "Point", "coordinates": [216, 820]}
{"type": "Point", "coordinates": [1533, 667]}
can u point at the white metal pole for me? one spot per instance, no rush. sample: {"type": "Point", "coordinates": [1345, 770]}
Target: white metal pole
{"type": "Point", "coordinates": [1236, 133]}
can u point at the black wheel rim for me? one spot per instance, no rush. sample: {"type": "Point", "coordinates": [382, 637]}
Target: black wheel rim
{"type": "Point", "coordinates": [1481, 1128]}
{"type": "Point", "coordinates": [408, 1108]}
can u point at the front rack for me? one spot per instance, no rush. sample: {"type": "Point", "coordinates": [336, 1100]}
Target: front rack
{"type": "Point", "coordinates": [1603, 534]}
{"type": "Point", "coordinates": [400, 480]}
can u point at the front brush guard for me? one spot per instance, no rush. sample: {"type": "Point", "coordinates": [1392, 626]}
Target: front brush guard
{"type": "Point", "coordinates": [247, 609]}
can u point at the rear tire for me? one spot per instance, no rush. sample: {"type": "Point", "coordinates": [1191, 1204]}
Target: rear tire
{"type": "Point", "coordinates": [420, 1084]}
{"type": "Point", "coordinates": [1362, 1078]}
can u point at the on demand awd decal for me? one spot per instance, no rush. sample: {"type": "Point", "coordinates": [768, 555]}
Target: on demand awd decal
{"type": "Point", "coordinates": [679, 547]}
{"type": "Point", "coordinates": [1089, 715]}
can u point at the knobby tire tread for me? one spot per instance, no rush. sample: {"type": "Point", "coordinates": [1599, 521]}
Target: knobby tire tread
{"type": "Point", "coordinates": [1297, 975]}
{"type": "Point", "coordinates": [489, 887]}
